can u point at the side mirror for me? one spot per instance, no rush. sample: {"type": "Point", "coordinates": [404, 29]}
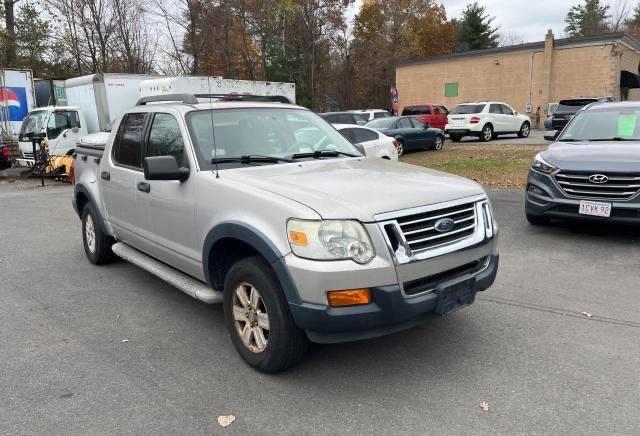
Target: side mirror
{"type": "Point", "coordinates": [427, 125]}
{"type": "Point", "coordinates": [164, 168]}
{"type": "Point", "coordinates": [552, 136]}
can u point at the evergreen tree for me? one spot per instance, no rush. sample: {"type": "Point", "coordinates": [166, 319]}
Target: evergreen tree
{"type": "Point", "coordinates": [474, 30]}
{"type": "Point", "coordinates": [589, 18]}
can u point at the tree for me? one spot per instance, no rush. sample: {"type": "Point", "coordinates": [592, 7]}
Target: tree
{"type": "Point", "coordinates": [10, 31]}
{"type": "Point", "coordinates": [619, 16]}
{"type": "Point", "coordinates": [474, 30]}
{"type": "Point", "coordinates": [633, 22]}
{"type": "Point", "coordinates": [589, 18]}
{"type": "Point", "coordinates": [32, 37]}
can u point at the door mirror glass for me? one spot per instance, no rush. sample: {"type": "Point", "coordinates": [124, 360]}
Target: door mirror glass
{"type": "Point", "coordinates": [164, 168]}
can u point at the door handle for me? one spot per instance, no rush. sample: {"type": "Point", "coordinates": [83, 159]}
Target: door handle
{"type": "Point", "coordinates": [144, 187]}
{"type": "Point", "coordinates": [105, 175]}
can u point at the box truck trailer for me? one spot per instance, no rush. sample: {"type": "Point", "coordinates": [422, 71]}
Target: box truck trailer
{"type": "Point", "coordinates": [94, 102]}
{"type": "Point", "coordinates": [17, 99]}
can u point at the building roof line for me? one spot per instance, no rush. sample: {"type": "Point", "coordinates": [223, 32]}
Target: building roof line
{"type": "Point", "coordinates": [604, 37]}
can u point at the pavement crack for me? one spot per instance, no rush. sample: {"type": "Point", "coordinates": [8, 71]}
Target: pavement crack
{"type": "Point", "coordinates": [559, 311]}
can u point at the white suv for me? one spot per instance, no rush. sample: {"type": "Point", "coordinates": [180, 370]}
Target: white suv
{"type": "Point", "coordinates": [486, 120]}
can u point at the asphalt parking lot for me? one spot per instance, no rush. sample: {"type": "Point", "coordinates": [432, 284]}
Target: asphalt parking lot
{"type": "Point", "coordinates": [525, 347]}
{"type": "Point", "coordinates": [535, 138]}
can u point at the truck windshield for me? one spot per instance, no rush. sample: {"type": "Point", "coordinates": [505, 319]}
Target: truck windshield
{"type": "Point", "coordinates": [266, 132]}
{"type": "Point", "coordinates": [33, 123]}
{"type": "Point", "coordinates": [613, 124]}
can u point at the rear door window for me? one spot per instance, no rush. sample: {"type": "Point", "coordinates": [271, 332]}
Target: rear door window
{"type": "Point", "coordinates": [364, 135]}
{"type": "Point", "coordinates": [165, 139]}
{"type": "Point", "coordinates": [404, 123]}
{"type": "Point", "coordinates": [495, 109]}
{"type": "Point", "coordinates": [128, 151]}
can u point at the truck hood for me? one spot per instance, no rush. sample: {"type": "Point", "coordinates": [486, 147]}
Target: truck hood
{"type": "Point", "coordinates": [356, 188]}
{"type": "Point", "coordinates": [594, 156]}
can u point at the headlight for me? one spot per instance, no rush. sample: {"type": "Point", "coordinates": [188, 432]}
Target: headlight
{"type": "Point", "coordinates": [543, 166]}
{"type": "Point", "coordinates": [330, 240]}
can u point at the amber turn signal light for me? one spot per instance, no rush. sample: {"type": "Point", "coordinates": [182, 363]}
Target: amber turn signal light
{"type": "Point", "coordinates": [350, 297]}
{"type": "Point", "coordinates": [298, 238]}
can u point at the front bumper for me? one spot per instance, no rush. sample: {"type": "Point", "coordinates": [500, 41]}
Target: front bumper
{"type": "Point", "coordinates": [553, 203]}
{"type": "Point", "coordinates": [390, 311]}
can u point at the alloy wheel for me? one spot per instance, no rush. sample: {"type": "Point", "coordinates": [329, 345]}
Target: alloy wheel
{"type": "Point", "coordinates": [250, 317]}
{"type": "Point", "coordinates": [90, 233]}
{"type": "Point", "coordinates": [438, 145]}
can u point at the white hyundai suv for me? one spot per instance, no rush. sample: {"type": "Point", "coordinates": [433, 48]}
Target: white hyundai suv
{"type": "Point", "coordinates": [486, 120]}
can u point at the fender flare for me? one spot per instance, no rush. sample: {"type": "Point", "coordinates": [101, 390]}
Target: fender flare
{"type": "Point", "coordinates": [258, 241]}
{"type": "Point", "coordinates": [79, 189]}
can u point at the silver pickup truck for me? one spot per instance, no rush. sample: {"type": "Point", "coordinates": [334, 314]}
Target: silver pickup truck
{"type": "Point", "coordinates": [266, 208]}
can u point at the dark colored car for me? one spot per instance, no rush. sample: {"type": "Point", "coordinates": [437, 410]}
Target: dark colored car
{"type": "Point", "coordinates": [345, 118]}
{"type": "Point", "coordinates": [410, 132]}
{"type": "Point", "coordinates": [433, 114]}
{"type": "Point", "coordinates": [5, 157]}
{"type": "Point", "coordinates": [568, 108]}
{"type": "Point", "coordinates": [592, 170]}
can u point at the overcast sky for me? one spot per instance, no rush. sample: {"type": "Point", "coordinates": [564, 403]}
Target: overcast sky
{"type": "Point", "coordinates": [528, 19]}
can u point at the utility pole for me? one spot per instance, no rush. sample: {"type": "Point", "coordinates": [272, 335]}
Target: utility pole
{"type": "Point", "coordinates": [11, 31]}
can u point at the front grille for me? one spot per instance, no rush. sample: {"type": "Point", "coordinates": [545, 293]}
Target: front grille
{"type": "Point", "coordinates": [431, 282]}
{"type": "Point", "coordinates": [617, 186]}
{"type": "Point", "coordinates": [420, 233]}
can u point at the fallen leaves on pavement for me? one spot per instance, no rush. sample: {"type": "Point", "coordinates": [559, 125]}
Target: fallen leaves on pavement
{"type": "Point", "coordinates": [484, 406]}
{"type": "Point", "coordinates": [226, 420]}
{"type": "Point", "coordinates": [587, 314]}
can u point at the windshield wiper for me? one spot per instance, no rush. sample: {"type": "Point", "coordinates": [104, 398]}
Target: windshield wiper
{"type": "Point", "coordinates": [250, 158]}
{"type": "Point", "coordinates": [616, 138]}
{"type": "Point", "coordinates": [322, 153]}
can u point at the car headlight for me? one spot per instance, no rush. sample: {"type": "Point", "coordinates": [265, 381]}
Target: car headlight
{"type": "Point", "coordinates": [330, 240]}
{"type": "Point", "coordinates": [542, 165]}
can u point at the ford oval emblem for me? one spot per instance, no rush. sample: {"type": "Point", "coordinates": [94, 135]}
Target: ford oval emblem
{"type": "Point", "coordinates": [599, 179]}
{"type": "Point", "coordinates": [444, 225]}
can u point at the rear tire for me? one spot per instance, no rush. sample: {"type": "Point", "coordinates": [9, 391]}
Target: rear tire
{"type": "Point", "coordinates": [537, 220]}
{"type": "Point", "coordinates": [261, 327]}
{"type": "Point", "coordinates": [486, 134]}
{"type": "Point", "coordinates": [455, 138]}
{"type": "Point", "coordinates": [400, 149]}
{"type": "Point", "coordinates": [97, 244]}
{"type": "Point", "coordinates": [525, 130]}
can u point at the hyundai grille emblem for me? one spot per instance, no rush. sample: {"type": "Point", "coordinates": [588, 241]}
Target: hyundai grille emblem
{"type": "Point", "coordinates": [445, 225]}
{"type": "Point", "coordinates": [599, 179]}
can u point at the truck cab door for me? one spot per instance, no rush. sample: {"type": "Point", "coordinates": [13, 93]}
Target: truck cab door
{"type": "Point", "coordinates": [172, 202]}
{"type": "Point", "coordinates": [63, 131]}
{"type": "Point", "coordinates": [120, 178]}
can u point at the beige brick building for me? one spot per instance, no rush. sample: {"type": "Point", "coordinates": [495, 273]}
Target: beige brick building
{"type": "Point", "coordinates": [526, 76]}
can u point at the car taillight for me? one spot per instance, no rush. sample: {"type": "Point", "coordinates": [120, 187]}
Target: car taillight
{"type": "Point", "coordinates": [72, 173]}
{"type": "Point", "coordinates": [474, 120]}
{"type": "Point", "coordinates": [4, 152]}
{"type": "Point", "coordinates": [395, 144]}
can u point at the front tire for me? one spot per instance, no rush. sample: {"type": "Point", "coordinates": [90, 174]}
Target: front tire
{"type": "Point", "coordinates": [438, 143]}
{"type": "Point", "coordinates": [455, 138]}
{"type": "Point", "coordinates": [97, 244]}
{"type": "Point", "coordinates": [258, 318]}
{"type": "Point", "coordinates": [400, 149]}
{"type": "Point", "coordinates": [525, 130]}
{"type": "Point", "coordinates": [486, 134]}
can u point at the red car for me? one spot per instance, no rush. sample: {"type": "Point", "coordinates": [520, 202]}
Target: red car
{"type": "Point", "coordinates": [433, 114]}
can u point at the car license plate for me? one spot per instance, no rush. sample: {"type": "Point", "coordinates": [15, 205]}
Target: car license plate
{"type": "Point", "coordinates": [595, 208]}
{"type": "Point", "coordinates": [456, 297]}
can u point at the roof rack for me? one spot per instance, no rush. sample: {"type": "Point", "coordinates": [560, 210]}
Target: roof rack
{"type": "Point", "coordinates": [193, 98]}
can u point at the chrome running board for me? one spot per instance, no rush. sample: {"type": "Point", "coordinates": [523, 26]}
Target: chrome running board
{"type": "Point", "coordinates": [183, 282]}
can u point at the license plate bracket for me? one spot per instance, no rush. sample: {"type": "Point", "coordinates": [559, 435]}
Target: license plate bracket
{"type": "Point", "coordinates": [456, 297]}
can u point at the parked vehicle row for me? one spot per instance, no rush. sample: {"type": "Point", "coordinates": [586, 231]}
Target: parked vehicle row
{"type": "Point", "coordinates": [373, 142]}
{"type": "Point", "coordinates": [568, 108]}
{"type": "Point", "coordinates": [267, 209]}
{"type": "Point", "coordinates": [410, 133]}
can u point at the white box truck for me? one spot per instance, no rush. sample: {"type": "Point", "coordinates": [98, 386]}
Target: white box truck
{"type": "Point", "coordinates": [17, 99]}
{"type": "Point", "coordinates": [217, 86]}
{"type": "Point", "coordinates": [94, 103]}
